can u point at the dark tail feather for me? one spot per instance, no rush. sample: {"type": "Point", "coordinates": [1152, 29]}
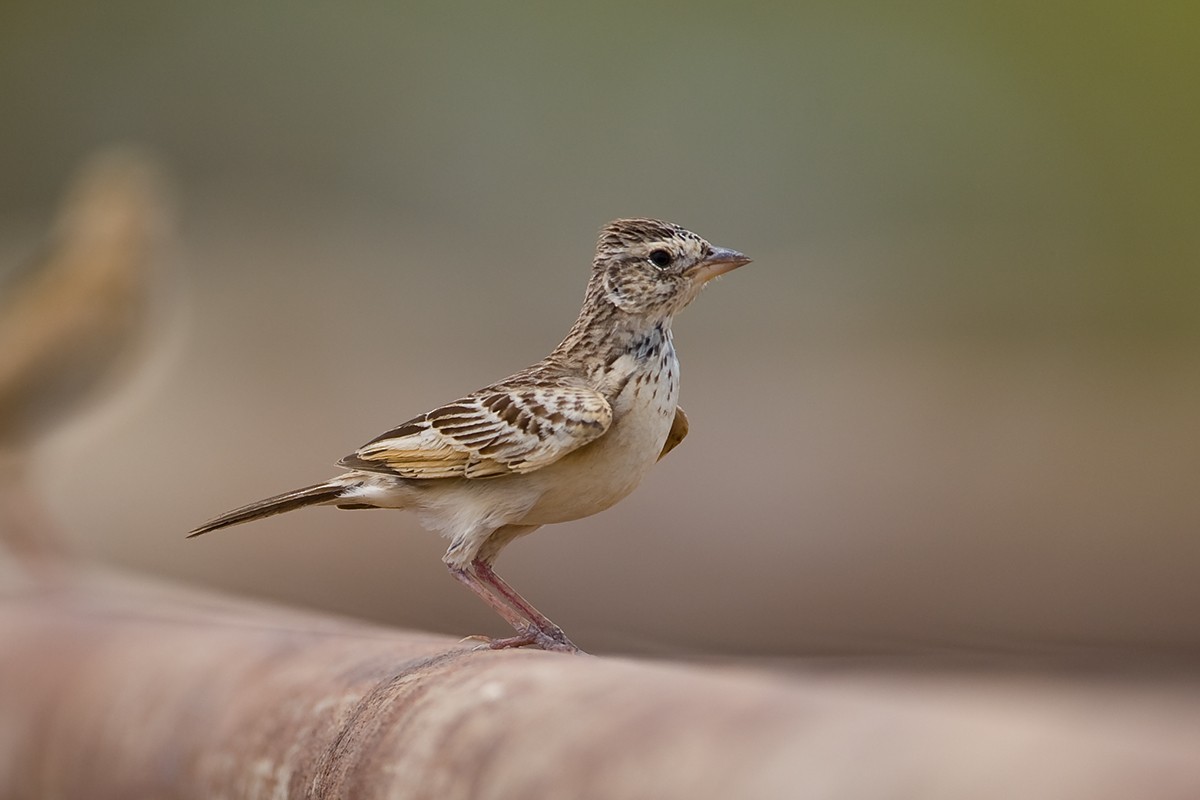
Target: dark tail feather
{"type": "Point", "coordinates": [288, 501]}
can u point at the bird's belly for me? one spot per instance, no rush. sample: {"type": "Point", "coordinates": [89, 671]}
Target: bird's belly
{"type": "Point", "coordinates": [600, 474]}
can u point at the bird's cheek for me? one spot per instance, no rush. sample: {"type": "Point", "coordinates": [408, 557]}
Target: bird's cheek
{"type": "Point", "coordinates": [614, 290]}
{"type": "Point", "coordinates": [687, 292]}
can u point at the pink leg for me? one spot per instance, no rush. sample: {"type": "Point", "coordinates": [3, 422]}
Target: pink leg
{"type": "Point", "coordinates": [529, 632]}
{"type": "Point", "coordinates": [485, 573]}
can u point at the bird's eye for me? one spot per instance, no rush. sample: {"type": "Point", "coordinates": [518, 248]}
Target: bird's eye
{"type": "Point", "coordinates": [660, 258]}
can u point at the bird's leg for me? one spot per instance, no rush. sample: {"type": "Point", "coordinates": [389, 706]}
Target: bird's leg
{"type": "Point", "coordinates": [469, 559]}
{"type": "Point", "coordinates": [484, 572]}
{"type": "Point", "coordinates": [511, 615]}
{"type": "Point", "coordinates": [481, 565]}
{"type": "Point", "coordinates": [529, 632]}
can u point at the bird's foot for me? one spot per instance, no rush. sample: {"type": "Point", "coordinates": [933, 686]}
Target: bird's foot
{"type": "Point", "coordinates": [554, 640]}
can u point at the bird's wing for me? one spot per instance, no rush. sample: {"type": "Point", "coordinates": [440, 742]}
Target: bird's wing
{"type": "Point", "coordinates": [498, 431]}
{"type": "Point", "coordinates": [679, 429]}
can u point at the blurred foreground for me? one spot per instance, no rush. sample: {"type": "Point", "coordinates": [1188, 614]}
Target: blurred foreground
{"type": "Point", "coordinates": [117, 688]}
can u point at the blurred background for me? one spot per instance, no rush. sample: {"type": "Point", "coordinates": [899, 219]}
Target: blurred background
{"type": "Point", "coordinates": [952, 405]}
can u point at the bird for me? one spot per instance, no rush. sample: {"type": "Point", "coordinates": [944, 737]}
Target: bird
{"type": "Point", "coordinates": [75, 319]}
{"type": "Point", "coordinates": [562, 439]}
{"type": "Point", "coordinates": [69, 316]}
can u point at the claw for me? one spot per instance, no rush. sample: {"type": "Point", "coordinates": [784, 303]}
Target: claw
{"type": "Point", "coordinates": [475, 637]}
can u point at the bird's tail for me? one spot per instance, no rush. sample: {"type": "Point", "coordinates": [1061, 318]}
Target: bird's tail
{"type": "Point", "coordinates": [288, 501]}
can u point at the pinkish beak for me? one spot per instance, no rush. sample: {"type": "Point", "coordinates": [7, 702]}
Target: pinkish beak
{"type": "Point", "coordinates": [719, 262]}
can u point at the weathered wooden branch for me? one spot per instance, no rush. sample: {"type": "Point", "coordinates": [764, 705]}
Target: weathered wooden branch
{"type": "Point", "coordinates": [110, 688]}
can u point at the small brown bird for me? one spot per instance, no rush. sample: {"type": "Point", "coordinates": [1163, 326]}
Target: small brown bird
{"type": "Point", "coordinates": [560, 440]}
{"type": "Point", "coordinates": [72, 320]}
{"type": "Point", "coordinates": [67, 320]}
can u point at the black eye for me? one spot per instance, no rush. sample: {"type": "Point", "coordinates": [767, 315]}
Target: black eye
{"type": "Point", "coordinates": [660, 258]}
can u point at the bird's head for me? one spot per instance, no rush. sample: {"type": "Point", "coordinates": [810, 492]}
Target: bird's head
{"type": "Point", "coordinates": [651, 267]}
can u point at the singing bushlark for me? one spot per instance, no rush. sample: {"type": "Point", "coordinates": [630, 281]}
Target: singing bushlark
{"type": "Point", "coordinates": [560, 440]}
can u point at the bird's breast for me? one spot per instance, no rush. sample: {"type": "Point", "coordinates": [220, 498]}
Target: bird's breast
{"type": "Point", "coordinates": [599, 474]}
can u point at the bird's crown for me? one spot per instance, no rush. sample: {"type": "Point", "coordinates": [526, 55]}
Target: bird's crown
{"type": "Point", "coordinates": [623, 235]}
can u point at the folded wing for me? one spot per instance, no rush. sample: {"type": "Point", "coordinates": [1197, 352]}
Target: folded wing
{"type": "Point", "coordinates": [494, 432]}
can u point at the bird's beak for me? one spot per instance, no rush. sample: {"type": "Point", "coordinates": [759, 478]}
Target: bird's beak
{"type": "Point", "coordinates": [719, 262]}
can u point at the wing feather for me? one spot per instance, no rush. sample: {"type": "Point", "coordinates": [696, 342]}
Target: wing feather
{"type": "Point", "coordinates": [679, 429]}
{"type": "Point", "coordinates": [498, 431]}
